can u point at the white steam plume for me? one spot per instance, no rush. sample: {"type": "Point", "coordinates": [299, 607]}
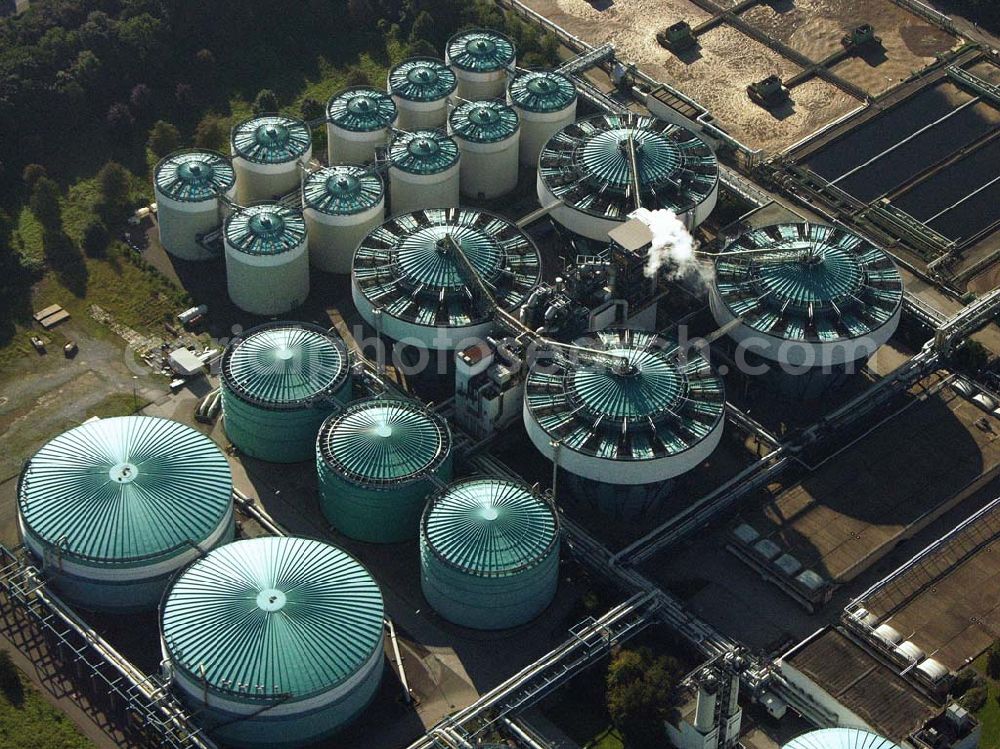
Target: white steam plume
{"type": "Point", "coordinates": [672, 244]}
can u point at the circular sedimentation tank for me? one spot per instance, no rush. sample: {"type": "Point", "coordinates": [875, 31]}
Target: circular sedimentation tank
{"type": "Point", "coordinates": [274, 642]}
{"type": "Point", "coordinates": [545, 100]}
{"type": "Point", "coordinates": [481, 59]}
{"type": "Point", "coordinates": [424, 171]}
{"type": "Point", "coordinates": [489, 553]}
{"type": "Point", "coordinates": [377, 462]}
{"type": "Point", "coordinates": [267, 153]}
{"type": "Point", "coordinates": [280, 381]}
{"type": "Point", "coordinates": [809, 298]}
{"type": "Point", "coordinates": [409, 283]}
{"type": "Point", "coordinates": [587, 168]}
{"type": "Point", "coordinates": [840, 738]}
{"type": "Point", "coordinates": [112, 509]}
{"type": "Point", "coordinates": [420, 87]}
{"type": "Point", "coordinates": [342, 204]}
{"type": "Point", "coordinates": [488, 134]}
{"type": "Point", "coordinates": [267, 258]}
{"type": "Point", "coordinates": [187, 185]}
{"type": "Point", "coordinates": [645, 414]}
{"type": "Point", "coordinates": [359, 120]}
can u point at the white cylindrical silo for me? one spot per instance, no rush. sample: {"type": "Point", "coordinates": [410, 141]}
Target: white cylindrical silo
{"type": "Point", "coordinates": [487, 136]}
{"type": "Point", "coordinates": [481, 59]}
{"type": "Point", "coordinates": [267, 265]}
{"type": "Point", "coordinates": [420, 86]}
{"type": "Point", "coordinates": [187, 185]}
{"type": "Point", "coordinates": [546, 102]}
{"type": "Point", "coordinates": [359, 120]}
{"type": "Point", "coordinates": [423, 171]}
{"type": "Point", "coordinates": [267, 154]}
{"type": "Point", "coordinates": [342, 204]}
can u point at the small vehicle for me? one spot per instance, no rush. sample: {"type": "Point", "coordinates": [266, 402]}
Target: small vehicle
{"type": "Point", "coordinates": [70, 349]}
{"type": "Point", "coordinates": [38, 343]}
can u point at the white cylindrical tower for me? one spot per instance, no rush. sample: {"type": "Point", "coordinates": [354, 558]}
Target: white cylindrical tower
{"type": "Point", "coordinates": [708, 689]}
{"type": "Point", "coordinates": [187, 185]}
{"type": "Point", "coordinates": [420, 86]}
{"type": "Point", "coordinates": [359, 120]}
{"type": "Point", "coordinates": [342, 204]}
{"type": "Point", "coordinates": [481, 59]}
{"type": "Point", "coordinates": [546, 102]}
{"type": "Point", "coordinates": [267, 154]}
{"type": "Point", "coordinates": [487, 135]}
{"type": "Point", "coordinates": [424, 171]}
{"type": "Point", "coordinates": [267, 265]}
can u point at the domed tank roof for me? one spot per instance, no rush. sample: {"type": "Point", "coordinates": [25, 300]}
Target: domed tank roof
{"type": "Point", "coordinates": [384, 441]}
{"type": "Point", "coordinates": [840, 738]}
{"type": "Point", "coordinates": [194, 174]}
{"type": "Point", "coordinates": [542, 91]}
{"type": "Point", "coordinates": [813, 282]}
{"type": "Point", "coordinates": [480, 51]}
{"type": "Point", "coordinates": [407, 267]}
{"type": "Point", "coordinates": [285, 365]}
{"type": "Point", "coordinates": [422, 79]}
{"type": "Point", "coordinates": [645, 403]}
{"type": "Point", "coordinates": [484, 121]}
{"type": "Point", "coordinates": [587, 165]}
{"type": "Point", "coordinates": [361, 109]}
{"type": "Point", "coordinates": [272, 617]}
{"type": "Point", "coordinates": [489, 527]}
{"type": "Point", "coordinates": [423, 152]}
{"type": "Point", "coordinates": [342, 190]}
{"type": "Point", "coordinates": [125, 489]}
{"type": "Point", "coordinates": [265, 229]}
{"type": "Point", "coordinates": [271, 139]}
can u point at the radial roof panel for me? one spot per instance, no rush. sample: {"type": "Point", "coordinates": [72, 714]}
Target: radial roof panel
{"type": "Point", "coordinates": [194, 175]}
{"type": "Point", "coordinates": [342, 190]}
{"type": "Point", "coordinates": [384, 441]}
{"type": "Point", "coordinates": [542, 91]}
{"type": "Point", "coordinates": [484, 121]}
{"type": "Point", "coordinates": [271, 139]}
{"type": "Point", "coordinates": [285, 365]}
{"type": "Point", "coordinates": [646, 402]}
{"type": "Point", "coordinates": [489, 527]}
{"type": "Point", "coordinates": [481, 51]}
{"type": "Point", "coordinates": [422, 79]}
{"type": "Point", "coordinates": [273, 617]}
{"type": "Point", "coordinates": [840, 738]}
{"type": "Point", "coordinates": [265, 229]}
{"type": "Point", "coordinates": [125, 489]}
{"type": "Point", "coordinates": [361, 109]}
{"type": "Point", "coordinates": [587, 165]}
{"type": "Point", "coordinates": [817, 282]}
{"type": "Point", "coordinates": [406, 266]}
{"type": "Point", "coordinates": [423, 152]}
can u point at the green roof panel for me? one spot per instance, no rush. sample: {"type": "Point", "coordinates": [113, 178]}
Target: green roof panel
{"type": "Point", "coordinates": [194, 174]}
{"type": "Point", "coordinates": [423, 152]}
{"type": "Point", "coordinates": [484, 121]}
{"type": "Point", "coordinates": [361, 109]}
{"type": "Point", "coordinates": [342, 190]}
{"type": "Point", "coordinates": [271, 139]}
{"type": "Point", "coordinates": [481, 51]}
{"type": "Point", "coordinates": [422, 79]}
{"type": "Point", "coordinates": [542, 91]}
{"type": "Point", "coordinates": [265, 229]}
{"type": "Point", "coordinates": [273, 617]}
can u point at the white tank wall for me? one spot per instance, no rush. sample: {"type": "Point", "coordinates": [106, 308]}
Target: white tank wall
{"type": "Point", "coordinates": [630, 472]}
{"type": "Point", "coordinates": [180, 222]}
{"type": "Point", "coordinates": [267, 284]}
{"type": "Point", "coordinates": [333, 239]}
{"type": "Point", "coordinates": [350, 147]}
{"type": "Point", "coordinates": [421, 115]}
{"type": "Point", "coordinates": [480, 86]}
{"type": "Point", "coordinates": [488, 169]}
{"type": "Point", "coordinates": [538, 127]}
{"type": "Point", "coordinates": [414, 192]}
{"type": "Point", "coordinates": [265, 181]}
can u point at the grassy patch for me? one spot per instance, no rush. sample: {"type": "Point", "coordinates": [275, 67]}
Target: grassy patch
{"type": "Point", "coordinates": [27, 241]}
{"type": "Point", "coordinates": [35, 723]}
{"type": "Point", "coordinates": [117, 404]}
{"type": "Point", "coordinates": [989, 713]}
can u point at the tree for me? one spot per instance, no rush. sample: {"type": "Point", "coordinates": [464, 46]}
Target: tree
{"type": "Point", "coordinates": [112, 181]}
{"type": "Point", "coordinates": [10, 680]}
{"type": "Point", "coordinates": [163, 138]}
{"type": "Point", "coordinates": [120, 120]}
{"type": "Point", "coordinates": [184, 94]}
{"type": "Point", "coordinates": [265, 101]}
{"type": "Point", "coordinates": [32, 173]}
{"type": "Point", "coordinates": [362, 13]}
{"type": "Point", "coordinates": [357, 77]}
{"type": "Point", "coordinates": [44, 203]}
{"type": "Point", "coordinates": [141, 99]}
{"type": "Point", "coordinates": [311, 109]}
{"type": "Point", "coordinates": [211, 132]}
{"type": "Point", "coordinates": [422, 48]}
{"type": "Point", "coordinates": [95, 239]}
{"type": "Point", "coordinates": [425, 28]}
{"type": "Point", "coordinates": [993, 661]}
{"type": "Point", "coordinates": [639, 689]}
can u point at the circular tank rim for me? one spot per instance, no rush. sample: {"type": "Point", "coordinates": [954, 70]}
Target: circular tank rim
{"type": "Point", "coordinates": [218, 156]}
{"type": "Point", "coordinates": [513, 92]}
{"type": "Point", "coordinates": [496, 65]}
{"type": "Point", "coordinates": [384, 98]}
{"type": "Point", "coordinates": [442, 71]}
{"type": "Point", "coordinates": [287, 121]}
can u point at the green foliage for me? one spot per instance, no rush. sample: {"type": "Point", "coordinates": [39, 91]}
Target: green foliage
{"type": "Point", "coordinates": [971, 356]}
{"type": "Point", "coordinates": [356, 76]}
{"type": "Point", "coordinates": [974, 699]}
{"type": "Point", "coordinates": [95, 239]}
{"type": "Point", "coordinates": [10, 680]}
{"type": "Point", "coordinates": [32, 173]}
{"type": "Point", "coordinates": [993, 661]}
{"type": "Point", "coordinates": [639, 688]}
{"type": "Point", "coordinates": [964, 680]}
{"type": "Point", "coordinates": [44, 202]}
{"type": "Point", "coordinates": [163, 138]}
{"type": "Point", "coordinates": [27, 720]}
{"type": "Point", "coordinates": [265, 101]}
{"type": "Point", "coordinates": [113, 183]}
{"type": "Point", "coordinates": [311, 109]}
{"type": "Point", "coordinates": [211, 132]}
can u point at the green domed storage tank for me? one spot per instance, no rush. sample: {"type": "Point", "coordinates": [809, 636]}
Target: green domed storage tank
{"type": "Point", "coordinates": [375, 461]}
{"type": "Point", "coordinates": [489, 553]}
{"type": "Point", "coordinates": [113, 508]}
{"type": "Point", "coordinates": [275, 641]}
{"type": "Point", "coordinates": [279, 382]}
